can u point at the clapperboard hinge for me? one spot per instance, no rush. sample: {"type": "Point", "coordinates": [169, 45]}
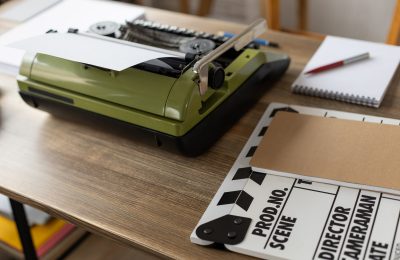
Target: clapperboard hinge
{"type": "Point", "coordinates": [231, 229]}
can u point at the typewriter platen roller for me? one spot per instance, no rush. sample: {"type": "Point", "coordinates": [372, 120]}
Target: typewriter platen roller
{"type": "Point", "coordinates": [183, 101]}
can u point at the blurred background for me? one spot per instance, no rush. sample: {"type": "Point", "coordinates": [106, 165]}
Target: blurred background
{"type": "Point", "coordinates": [361, 19]}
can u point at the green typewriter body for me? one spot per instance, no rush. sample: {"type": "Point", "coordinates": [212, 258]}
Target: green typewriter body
{"type": "Point", "coordinates": [163, 101]}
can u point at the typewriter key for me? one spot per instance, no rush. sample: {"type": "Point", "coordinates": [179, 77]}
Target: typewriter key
{"type": "Point", "coordinates": [197, 46]}
{"type": "Point", "coordinates": [190, 33]}
{"type": "Point", "coordinates": [164, 27]}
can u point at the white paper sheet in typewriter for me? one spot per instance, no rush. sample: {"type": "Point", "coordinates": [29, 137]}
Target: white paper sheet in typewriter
{"type": "Point", "coordinates": [79, 14]}
{"type": "Point", "coordinates": [94, 50]}
{"type": "Point", "coordinates": [296, 219]}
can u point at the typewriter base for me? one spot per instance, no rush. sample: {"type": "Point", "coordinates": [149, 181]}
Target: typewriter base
{"type": "Point", "coordinates": [198, 139]}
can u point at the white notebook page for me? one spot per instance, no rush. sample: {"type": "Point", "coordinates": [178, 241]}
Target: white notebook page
{"type": "Point", "coordinates": [368, 78]}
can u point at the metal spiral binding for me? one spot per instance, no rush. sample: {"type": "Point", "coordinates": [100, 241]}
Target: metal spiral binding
{"type": "Point", "coordinates": [345, 97]}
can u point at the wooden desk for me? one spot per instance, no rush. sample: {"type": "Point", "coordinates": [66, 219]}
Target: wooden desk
{"type": "Point", "coordinates": [112, 184]}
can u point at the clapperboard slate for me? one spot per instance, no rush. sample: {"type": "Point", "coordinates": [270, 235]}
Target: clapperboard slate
{"type": "Point", "coordinates": [276, 217]}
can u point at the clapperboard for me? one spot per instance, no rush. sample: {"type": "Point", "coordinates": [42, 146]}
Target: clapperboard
{"type": "Point", "coordinates": [275, 217]}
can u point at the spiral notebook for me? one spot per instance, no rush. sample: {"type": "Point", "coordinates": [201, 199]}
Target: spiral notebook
{"type": "Point", "coordinates": [364, 82]}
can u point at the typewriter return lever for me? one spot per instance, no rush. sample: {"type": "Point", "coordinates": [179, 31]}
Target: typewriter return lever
{"type": "Point", "coordinates": [238, 42]}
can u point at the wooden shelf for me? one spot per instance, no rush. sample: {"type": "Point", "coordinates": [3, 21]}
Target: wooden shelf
{"type": "Point", "coordinates": [54, 253]}
{"type": "Point", "coordinates": [92, 247]}
{"type": "Point", "coordinates": [95, 247]}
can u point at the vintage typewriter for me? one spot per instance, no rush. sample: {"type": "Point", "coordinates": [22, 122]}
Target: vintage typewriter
{"type": "Point", "coordinates": [185, 99]}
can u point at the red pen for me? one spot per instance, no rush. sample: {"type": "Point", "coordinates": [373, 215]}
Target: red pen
{"type": "Point", "coordinates": [339, 63]}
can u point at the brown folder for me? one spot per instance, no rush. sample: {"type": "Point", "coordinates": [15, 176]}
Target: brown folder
{"type": "Point", "coordinates": [329, 148]}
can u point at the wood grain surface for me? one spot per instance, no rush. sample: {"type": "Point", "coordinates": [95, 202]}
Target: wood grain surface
{"type": "Point", "coordinates": [110, 183]}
